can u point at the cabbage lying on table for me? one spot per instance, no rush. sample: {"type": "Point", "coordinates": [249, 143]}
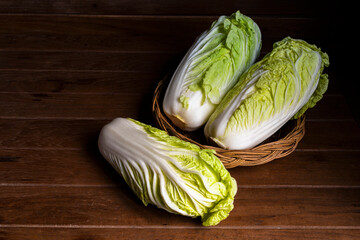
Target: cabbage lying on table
{"type": "Point", "coordinates": [210, 68]}
{"type": "Point", "coordinates": [168, 172]}
{"type": "Point", "coordinates": [283, 85]}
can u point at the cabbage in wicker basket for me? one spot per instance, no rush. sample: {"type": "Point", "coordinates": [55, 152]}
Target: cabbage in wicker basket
{"type": "Point", "coordinates": [279, 88]}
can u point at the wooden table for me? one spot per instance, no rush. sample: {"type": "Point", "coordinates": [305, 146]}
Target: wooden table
{"type": "Point", "coordinates": [69, 67]}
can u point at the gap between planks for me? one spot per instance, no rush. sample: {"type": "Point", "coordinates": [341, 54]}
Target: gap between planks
{"type": "Point", "coordinates": [106, 93]}
{"type": "Point", "coordinates": [239, 186]}
{"type": "Point", "coordinates": [154, 16]}
{"type": "Point", "coordinates": [72, 70]}
{"type": "Point", "coordinates": [180, 51]}
{"type": "Point", "coordinates": [111, 118]}
{"type": "Point", "coordinates": [280, 227]}
{"type": "Point", "coordinates": [79, 149]}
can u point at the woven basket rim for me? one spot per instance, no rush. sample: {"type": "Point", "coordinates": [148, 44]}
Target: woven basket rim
{"type": "Point", "coordinates": [258, 155]}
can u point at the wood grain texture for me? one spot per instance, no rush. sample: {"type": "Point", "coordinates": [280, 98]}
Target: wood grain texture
{"type": "Point", "coordinates": [52, 81]}
{"type": "Point", "coordinates": [78, 82]}
{"type": "Point", "coordinates": [163, 7]}
{"type": "Point", "coordinates": [129, 233]}
{"type": "Point", "coordinates": [118, 206]}
{"type": "Point", "coordinates": [87, 61]}
{"type": "Point", "coordinates": [86, 167]}
{"type": "Point", "coordinates": [67, 67]}
{"type": "Point", "coordinates": [82, 134]}
{"type": "Point", "coordinates": [128, 102]}
{"type": "Point", "coordinates": [143, 33]}
{"type": "Point", "coordinates": [103, 106]}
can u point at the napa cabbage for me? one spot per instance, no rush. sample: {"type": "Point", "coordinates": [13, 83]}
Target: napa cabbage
{"type": "Point", "coordinates": [282, 86]}
{"type": "Point", "coordinates": [170, 173]}
{"type": "Point", "coordinates": [210, 68]}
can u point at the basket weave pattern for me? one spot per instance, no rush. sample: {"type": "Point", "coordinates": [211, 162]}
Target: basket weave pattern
{"type": "Point", "coordinates": [260, 154]}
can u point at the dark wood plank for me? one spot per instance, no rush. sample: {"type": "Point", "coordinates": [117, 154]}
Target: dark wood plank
{"type": "Point", "coordinates": [119, 33]}
{"type": "Point", "coordinates": [128, 233]}
{"type": "Point", "coordinates": [68, 167]}
{"type": "Point", "coordinates": [66, 71]}
{"type": "Point", "coordinates": [320, 168]}
{"type": "Point", "coordinates": [130, 101]}
{"type": "Point", "coordinates": [143, 33]}
{"type": "Point", "coordinates": [96, 82]}
{"type": "Point", "coordinates": [77, 82]}
{"type": "Point", "coordinates": [103, 106]}
{"type": "Point", "coordinates": [68, 134]}
{"type": "Point", "coordinates": [330, 107]}
{"type": "Point", "coordinates": [185, 7]}
{"type": "Point", "coordinates": [88, 167]}
{"type": "Point", "coordinates": [80, 134]}
{"type": "Point", "coordinates": [88, 61]}
{"type": "Point", "coordinates": [331, 136]}
{"type": "Point", "coordinates": [118, 206]}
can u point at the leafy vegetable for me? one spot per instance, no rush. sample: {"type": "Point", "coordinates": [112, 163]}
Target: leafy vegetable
{"type": "Point", "coordinates": [283, 85]}
{"type": "Point", "coordinates": [210, 68]}
{"type": "Point", "coordinates": [168, 172]}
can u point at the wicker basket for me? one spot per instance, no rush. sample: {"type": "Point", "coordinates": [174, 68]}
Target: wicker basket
{"type": "Point", "coordinates": [281, 144]}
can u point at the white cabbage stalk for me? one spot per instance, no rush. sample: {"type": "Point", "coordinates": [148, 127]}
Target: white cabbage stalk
{"type": "Point", "coordinates": [283, 85]}
{"type": "Point", "coordinates": [168, 172]}
{"type": "Point", "coordinates": [210, 68]}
